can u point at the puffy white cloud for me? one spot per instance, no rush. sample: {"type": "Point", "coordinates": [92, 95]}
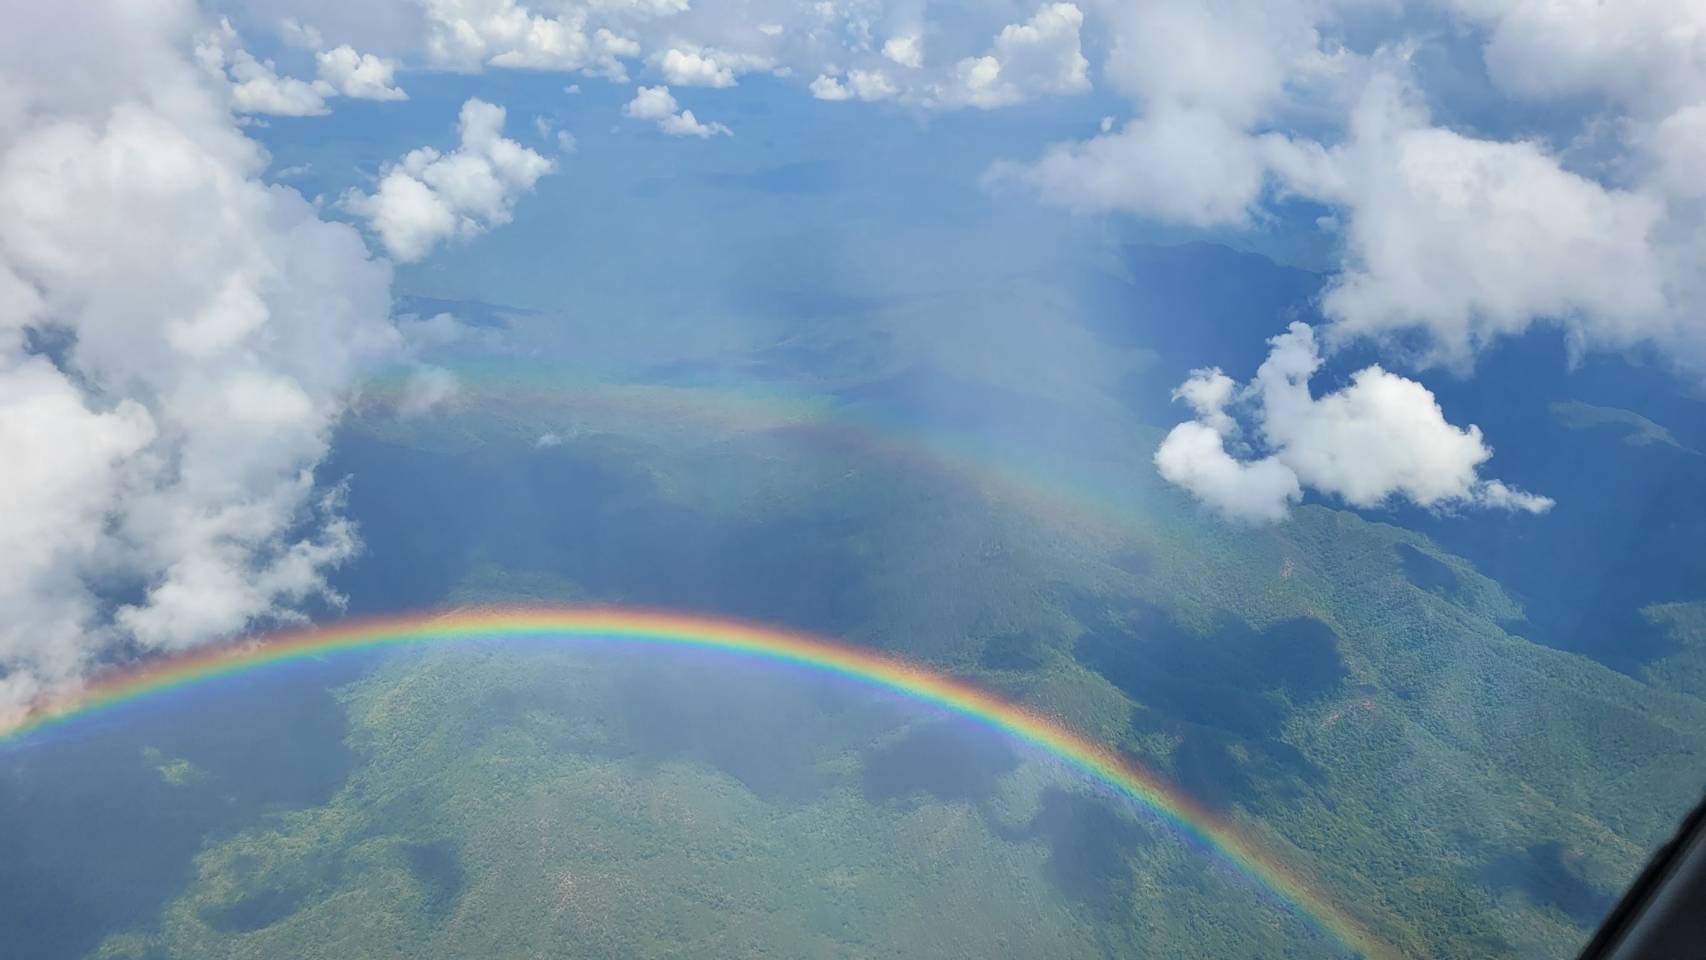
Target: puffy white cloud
{"type": "Point", "coordinates": [1473, 239]}
{"type": "Point", "coordinates": [1647, 54]}
{"type": "Point", "coordinates": [1380, 438]}
{"type": "Point", "coordinates": [871, 85]}
{"type": "Point", "coordinates": [362, 76]}
{"type": "Point", "coordinates": [1193, 456]}
{"type": "Point", "coordinates": [688, 68]}
{"type": "Point", "coordinates": [256, 86]}
{"type": "Point", "coordinates": [1043, 53]}
{"type": "Point", "coordinates": [64, 471]}
{"type": "Point", "coordinates": [640, 9]}
{"type": "Point", "coordinates": [906, 49]}
{"type": "Point", "coordinates": [693, 65]}
{"type": "Point", "coordinates": [826, 87]}
{"type": "Point", "coordinates": [1449, 241]}
{"type": "Point", "coordinates": [1677, 146]}
{"type": "Point", "coordinates": [658, 105]}
{"type": "Point", "coordinates": [428, 197]}
{"type": "Point", "coordinates": [869, 49]}
{"type": "Point", "coordinates": [868, 85]}
{"type": "Point", "coordinates": [177, 339]}
{"type": "Point", "coordinates": [1459, 238]}
{"type": "Point", "coordinates": [978, 83]}
{"type": "Point", "coordinates": [1238, 60]}
{"type": "Point", "coordinates": [1174, 164]}
{"type": "Point", "coordinates": [1205, 79]}
{"type": "Point", "coordinates": [466, 34]}
{"type": "Point", "coordinates": [1642, 64]}
{"type": "Point", "coordinates": [1040, 56]}
{"type": "Point", "coordinates": [1208, 393]}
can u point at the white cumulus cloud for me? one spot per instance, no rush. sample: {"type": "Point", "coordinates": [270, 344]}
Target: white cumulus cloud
{"type": "Point", "coordinates": [1450, 239]}
{"type": "Point", "coordinates": [1470, 240]}
{"type": "Point", "coordinates": [906, 49]}
{"type": "Point", "coordinates": [826, 87]}
{"type": "Point", "coordinates": [177, 340]}
{"type": "Point", "coordinates": [1175, 164]}
{"type": "Point", "coordinates": [467, 34]}
{"type": "Point", "coordinates": [362, 76]}
{"type": "Point", "coordinates": [1378, 439]}
{"type": "Point", "coordinates": [428, 197]}
{"type": "Point", "coordinates": [1041, 56]}
{"type": "Point", "coordinates": [1648, 54]}
{"type": "Point", "coordinates": [867, 85]}
{"type": "Point", "coordinates": [1461, 238]}
{"type": "Point", "coordinates": [658, 105]}
{"type": "Point", "coordinates": [257, 87]}
{"type": "Point", "coordinates": [983, 57]}
{"type": "Point", "coordinates": [688, 68]}
{"type": "Point", "coordinates": [1194, 457]}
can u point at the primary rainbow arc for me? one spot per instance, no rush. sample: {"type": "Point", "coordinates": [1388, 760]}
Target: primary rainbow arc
{"type": "Point", "coordinates": [679, 630]}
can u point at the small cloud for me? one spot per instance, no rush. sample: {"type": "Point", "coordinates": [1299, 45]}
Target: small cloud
{"type": "Point", "coordinates": [1497, 495]}
{"type": "Point", "coordinates": [688, 68]}
{"type": "Point", "coordinates": [427, 197]}
{"type": "Point", "coordinates": [255, 85]}
{"type": "Point", "coordinates": [658, 105]}
{"type": "Point", "coordinates": [300, 35]}
{"type": "Point", "coordinates": [826, 87]}
{"type": "Point", "coordinates": [906, 50]}
{"type": "Point", "coordinates": [362, 76]}
{"type": "Point", "coordinates": [867, 85]}
{"type": "Point", "coordinates": [1043, 55]}
{"type": "Point", "coordinates": [547, 128]}
{"type": "Point", "coordinates": [870, 84]}
{"type": "Point", "coordinates": [548, 440]}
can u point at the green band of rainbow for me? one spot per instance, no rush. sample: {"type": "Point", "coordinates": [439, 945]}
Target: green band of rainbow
{"type": "Point", "coordinates": [695, 632]}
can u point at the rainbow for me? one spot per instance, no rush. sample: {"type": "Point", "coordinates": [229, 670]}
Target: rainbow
{"type": "Point", "coordinates": [717, 410]}
{"type": "Point", "coordinates": [1096, 760]}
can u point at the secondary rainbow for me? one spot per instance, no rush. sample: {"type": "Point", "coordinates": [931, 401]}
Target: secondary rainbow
{"type": "Point", "coordinates": [913, 680]}
{"type": "Point", "coordinates": [1013, 475]}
